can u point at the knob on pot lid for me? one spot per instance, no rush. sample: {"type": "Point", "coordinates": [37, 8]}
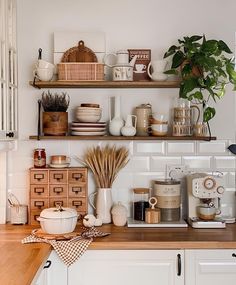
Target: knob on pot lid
{"type": "Point", "coordinates": [58, 213]}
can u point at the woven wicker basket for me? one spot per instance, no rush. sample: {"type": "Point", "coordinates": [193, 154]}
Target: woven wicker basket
{"type": "Point", "coordinates": [80, 71]}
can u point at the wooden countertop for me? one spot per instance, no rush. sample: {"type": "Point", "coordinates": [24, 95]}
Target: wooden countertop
{"type": "Point", "coordinates": [20, 262]}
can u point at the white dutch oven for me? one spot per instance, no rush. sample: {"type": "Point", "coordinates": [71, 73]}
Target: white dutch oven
{"type": "Point", "coordinates": [58, 220]}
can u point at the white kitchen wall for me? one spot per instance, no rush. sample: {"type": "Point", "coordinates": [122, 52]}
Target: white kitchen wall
{"type": "Point", "coordinates": [154, 24]}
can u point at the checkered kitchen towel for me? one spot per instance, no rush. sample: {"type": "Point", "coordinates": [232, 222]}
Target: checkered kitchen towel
{"type": "Point", "coordinates": [69, 251]}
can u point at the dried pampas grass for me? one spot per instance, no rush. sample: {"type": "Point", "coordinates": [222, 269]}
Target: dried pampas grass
{"type": "Point", "coordinates": [105, 163]}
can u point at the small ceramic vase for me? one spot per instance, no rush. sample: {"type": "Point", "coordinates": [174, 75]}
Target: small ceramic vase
{"type": "Point", "coordinates": [119, 215]}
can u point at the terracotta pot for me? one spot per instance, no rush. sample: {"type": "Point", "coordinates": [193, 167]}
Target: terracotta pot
{"type": "Point", "coordinates": [55, 123]}
{"type": "Point", "coordinates": [196, 70]}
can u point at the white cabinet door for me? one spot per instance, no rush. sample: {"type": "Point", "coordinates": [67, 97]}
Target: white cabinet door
{"type": "Point", "coordinates": [54, 272]}
{"type": "Point", "coordinates": [133, 267]}
{"type": "Point", "coordinates": [214, 267]}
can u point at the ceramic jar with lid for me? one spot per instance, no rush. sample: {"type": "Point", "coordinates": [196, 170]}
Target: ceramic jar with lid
{"type": "Point", "coordinates": [167, 192]}
{"type": "Point", "coordinates": [143, 113]}
{"type": "Point", "coordinates": [119, 215]}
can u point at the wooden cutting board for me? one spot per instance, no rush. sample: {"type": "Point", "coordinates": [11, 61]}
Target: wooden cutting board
{"type": "Point", "coordinates": [81, 53]}
{"type": "Point", "coordinates": [40, 234]}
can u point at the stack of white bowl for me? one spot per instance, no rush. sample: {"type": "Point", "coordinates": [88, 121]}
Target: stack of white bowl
{"type": "Point", "coordinates": [88, 114]}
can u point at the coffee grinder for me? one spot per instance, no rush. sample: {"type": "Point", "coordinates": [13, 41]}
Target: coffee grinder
{"type": "Point", "coordinates": [204, 193]}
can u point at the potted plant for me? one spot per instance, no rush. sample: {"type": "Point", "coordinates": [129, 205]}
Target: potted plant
{"type": "Point", "coordinates": [55, 117]}
{"type": "Point", "coordinates": [204, 69]}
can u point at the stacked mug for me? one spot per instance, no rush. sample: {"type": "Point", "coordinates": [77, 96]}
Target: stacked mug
{"type": "Point", "coordinates": [44, 70]}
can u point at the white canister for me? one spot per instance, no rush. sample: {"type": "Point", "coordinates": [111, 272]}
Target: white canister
{"type": "Point", "coordinates": [19, 214]}
{"type": "Point", "coordinates": [167, 192]}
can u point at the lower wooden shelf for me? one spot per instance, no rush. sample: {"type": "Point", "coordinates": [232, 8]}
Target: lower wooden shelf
{"type": "Point", "coordinates": [114, 138]}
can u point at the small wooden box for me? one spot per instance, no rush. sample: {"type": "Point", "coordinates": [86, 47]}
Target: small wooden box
{"type": "Point", "coordinates": [72, 71]}
{"type": "Point", "coordinates": [141, 64]}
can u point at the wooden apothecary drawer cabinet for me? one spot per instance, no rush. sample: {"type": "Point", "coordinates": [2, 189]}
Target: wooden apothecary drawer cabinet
{"type": "Point", "coordinates": [49, 187]}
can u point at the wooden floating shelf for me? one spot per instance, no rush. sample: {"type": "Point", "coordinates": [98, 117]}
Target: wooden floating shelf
{"type": "Point", "coordinates": [114, 138]}
{"type": "Point", "coordinates": [105, 84]}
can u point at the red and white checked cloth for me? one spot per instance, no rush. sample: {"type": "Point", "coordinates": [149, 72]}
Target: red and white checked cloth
{"type": "Point", "coordinates": [69, 251]}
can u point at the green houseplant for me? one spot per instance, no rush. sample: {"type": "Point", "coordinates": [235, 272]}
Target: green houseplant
{"type": "Point", "coordinates": [204, 69]}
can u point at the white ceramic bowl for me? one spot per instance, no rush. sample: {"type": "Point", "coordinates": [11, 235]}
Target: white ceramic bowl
{"type": "Point", "coordinates": [88, 118]}
{"type": "Point", "coordinates": [159, 129]}
{"type": "Point", "coordinates": [58, 221]}
{"type": "Point", "coordinates": [160, 118]}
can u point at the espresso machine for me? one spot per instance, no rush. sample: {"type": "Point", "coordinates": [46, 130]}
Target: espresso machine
{"type": "Point", "coordinates": [204, 193]}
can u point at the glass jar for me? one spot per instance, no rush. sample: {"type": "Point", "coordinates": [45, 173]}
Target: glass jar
{"type": "Point", "coordinates": [140, 203]}
{"type": "Point", "coordinates": [39, 158]}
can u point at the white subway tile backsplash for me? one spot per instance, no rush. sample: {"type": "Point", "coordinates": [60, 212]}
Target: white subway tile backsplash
{"type": "Point", "coordinates": [197, 162]}
{"type": "Point", "coordinates": [137, 163]}
{"type": "Point", "coordinates": [150, 147]}
{"type": "Point", "coordinates": [231, 180]}
{"type": "Point", "coordinates": [180, 147]}
{"type": "Point", "coordinates": [224, 162]}
{"type": "Point", "coordinates": [159, 163]}
{"type": "Point", "coordinates": [213, 147]}
{"type": "Point", "coordinates": [145, 179]}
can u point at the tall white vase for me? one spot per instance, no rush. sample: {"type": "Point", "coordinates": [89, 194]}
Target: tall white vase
{"type": "Point", "coordinates": [103, 203]}
{"type": "Point", "coordinates": [116, 123]}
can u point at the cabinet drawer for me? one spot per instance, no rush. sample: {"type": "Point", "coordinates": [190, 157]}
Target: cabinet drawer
{"type": "Point", "coordinates": [54, 202]}
{"type": "Point", "coordinates": [38, 176]}
{"type": "Point", "coordinates": [58, 176]}
{"type": "Point", "coordinates": [80, 204]}
{"type": "Point", "coordinates": [58, 190]}
{"type": "Point", "coordinates": [38, 190]}
{"type": "Point", "coordinates": [33, 217]}
{"type": "Point", "coordinates": [77, 175]}
{"type": "Point", "coordinates": [39, 204]}
{"type": "Point", "coordinates": [77, 190]}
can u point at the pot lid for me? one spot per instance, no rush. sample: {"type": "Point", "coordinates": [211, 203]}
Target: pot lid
{"type": "Point", "coordinates": [58, 213]}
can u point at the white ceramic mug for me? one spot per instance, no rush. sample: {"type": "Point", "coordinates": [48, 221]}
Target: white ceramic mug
{"type": "Point", "coordinates": [207, 212]}
{"type": "Point", "coordinates": [44, 64]}
{"type": "Point", "coordinates": [43, 74]}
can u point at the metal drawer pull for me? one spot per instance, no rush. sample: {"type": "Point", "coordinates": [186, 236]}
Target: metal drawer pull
{"type": "Point", "coordinates": [48, 264]}
{"type": "Point", "coordinates": [179, 264]}
{"type": "Point", "coordinates": [76, 190]}
{"type": "Point", "coordinates": [77, 203]}
{"type": "Point", "coordinates": [38, 176]}
{"type": "Point", "coordinates": [39, 190]}
{"type": "Point", "coordinates": [77, 176]}
{"type": "Point", "coordinates": [57, 190]}
{"type": "Point", "coordinates": [58, 176]}
{"type": "Point", "coordinates": [58, 203]}
{"type": "Point", "coordinates": [39, 204]}
{"type": "Point", "coordinates": [233, 254]}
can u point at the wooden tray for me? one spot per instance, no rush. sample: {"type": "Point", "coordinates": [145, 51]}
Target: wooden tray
{"type": "Point", "coordinates": [79, 54]}
{"type": "Point", "coordinates": [40, 234]}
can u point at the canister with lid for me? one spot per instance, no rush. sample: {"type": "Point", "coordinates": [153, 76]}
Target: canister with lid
{"type": "Point", "coordinates": [143, 113]}
{"type": "Point", "coordinates": [167, 192]}
{"type": "Point", "coordinates": [140, 203]}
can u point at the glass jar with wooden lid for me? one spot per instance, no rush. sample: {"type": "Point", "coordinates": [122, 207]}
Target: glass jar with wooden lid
{"type": "Point", "coordinates": [140, 203]}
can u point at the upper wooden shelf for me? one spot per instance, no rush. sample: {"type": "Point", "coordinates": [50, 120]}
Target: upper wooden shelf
{"type": "Point", "coordinates": [115, 138]}
{"type": "Point", "coordinates": [105, 84]}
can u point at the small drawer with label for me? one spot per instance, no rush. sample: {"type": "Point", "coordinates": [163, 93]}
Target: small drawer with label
{"type": "Point", "coordinates": [80, 204]}
{"type": "Point", "coordinates": [39, 204]}
{"type": "Point", "coordinates": [77, 175]}
{"type": "Point", "coordinates": [60, 201]}
{"type": "Point", "coordinates": [38, 190]}
{"type": "Point", "coordinates": [56, 190]}
{"type": "Point", "coordinates": [38, 176]}
{"type": "Point", "coordinates": [33, 217]}
{"type": "Point", "coordinates": [58, 176]}
{"type": "Point", "coordinates": [77, 190]}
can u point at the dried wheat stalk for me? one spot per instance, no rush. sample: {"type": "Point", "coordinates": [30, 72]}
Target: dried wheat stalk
{"type": "Point", "coordinates": [105, 163]}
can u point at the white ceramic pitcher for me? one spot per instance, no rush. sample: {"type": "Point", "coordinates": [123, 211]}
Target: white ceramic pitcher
{"type": "Point", "coordinates": [103, 204]}
{"type": "Point", "coordinates": [158, 67]}
{"type": "Point", "coordinates": [129, 128]}
{"type": "Point", "coordinates": [116, 123]}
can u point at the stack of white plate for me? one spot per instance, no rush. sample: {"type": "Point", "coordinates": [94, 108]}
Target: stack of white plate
{"type": "Point", "coordinates": [88, 129]}
{"type": "Point", "coordinates": [88, 114]}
